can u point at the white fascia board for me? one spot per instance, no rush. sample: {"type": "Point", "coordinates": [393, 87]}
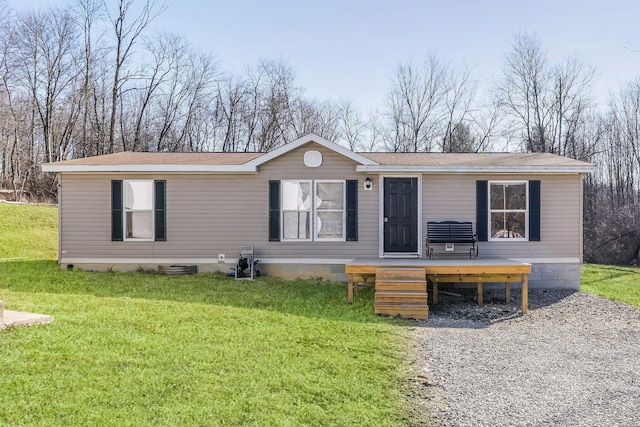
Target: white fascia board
{"type": "Point", "coordinates": [283, 149]}
{"type": "Point", "coordinates": [149, 168]}
{"type": "Point", "coordinates": [476, 169]}
{"type": "Point", "coordinates": [107, 260]}
{"type": "Point", "coordinates": [548, 260]}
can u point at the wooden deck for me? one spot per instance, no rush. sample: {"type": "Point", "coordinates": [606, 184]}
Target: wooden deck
{"type": "Point", "coordinates": [478, 270]}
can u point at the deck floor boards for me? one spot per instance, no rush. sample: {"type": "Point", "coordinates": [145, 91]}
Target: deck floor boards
{"type": "Point", "coordinates": [477, 270]}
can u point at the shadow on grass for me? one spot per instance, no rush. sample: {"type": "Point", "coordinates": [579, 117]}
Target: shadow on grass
{"type": "Point", "coordinates": [308, 298]}
{"type": "Point", "coordinates": [460, 309]}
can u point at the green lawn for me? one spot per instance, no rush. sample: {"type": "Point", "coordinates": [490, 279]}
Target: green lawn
{"type": "Point", "coordinates": [613, 282]}
{"type": "Point", "coordinates": [136, 349]}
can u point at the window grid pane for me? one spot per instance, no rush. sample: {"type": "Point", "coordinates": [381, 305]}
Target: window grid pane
{"type": "Point", "coordinates": [508, 204]}
{"type": "Point", "coordinates": [296, 225]}
{"type": "Point", "coordinates": [330, 225]}
{"type": "Point", "coordinates": [507, 225]}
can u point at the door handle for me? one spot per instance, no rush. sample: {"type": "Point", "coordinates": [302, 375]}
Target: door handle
{"type": "Point", "coordinates": [386, 219]}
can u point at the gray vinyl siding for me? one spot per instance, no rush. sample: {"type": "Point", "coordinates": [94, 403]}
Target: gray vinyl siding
{"type": "Point", "coordinates": [211, 214]}
{"type": "Point", "coordinates": [452, 197]}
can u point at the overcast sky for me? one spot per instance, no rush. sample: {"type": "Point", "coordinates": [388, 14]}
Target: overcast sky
{"type": "Point", "coordinates": [348, 49]}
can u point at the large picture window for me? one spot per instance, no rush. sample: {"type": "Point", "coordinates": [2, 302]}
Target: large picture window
{"type": "Point", "coordinates": [313, 210]}
{"type": "Point", "coordinates": [508, 209]}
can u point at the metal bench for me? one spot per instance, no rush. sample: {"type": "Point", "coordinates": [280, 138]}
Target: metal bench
{"type": "Point", "coordinates": [451, 232]}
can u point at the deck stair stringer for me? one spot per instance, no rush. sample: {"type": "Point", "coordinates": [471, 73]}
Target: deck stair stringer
{"type": "Point", "coordinates": [401, 292]}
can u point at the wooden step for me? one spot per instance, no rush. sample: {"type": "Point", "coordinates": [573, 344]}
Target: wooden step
{"type": "Point", "coordinates": [402, 285]}
{"type": "Point", "coordinates": [383, 297]}
{"type": "Point", "coordinates": [406, 311]}
{"type": "Point", "coordinates": [401, 292]}
{"type": "Point", "coordinates": [400, 273]}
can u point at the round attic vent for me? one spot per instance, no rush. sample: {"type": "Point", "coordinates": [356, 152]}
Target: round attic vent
{"type": "Point", "coordinates": [312, 159]}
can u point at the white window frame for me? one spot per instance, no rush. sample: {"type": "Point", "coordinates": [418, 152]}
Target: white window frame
{"type": "Point", "coordinates": [125, 211]}
{"type": "Point", "coordinates": [526, 211]}
{"type": "Point", "coordinates": [282, 210]}
{"type": "Point", "coordinates": [316, 217]}
{"type": "Point", "coordinates": [313, 211]}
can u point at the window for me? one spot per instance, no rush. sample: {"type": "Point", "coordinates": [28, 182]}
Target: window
{"type": "Point", "coordinates": [296, 210]}
{"type": "Point", "coordinates": [508, 209]}
{"type": "Point", "coordinates": [138, 210]}
{"type": "Point", "coordinates": [322, 201]}
{"type": "Point", "coordinates": [329, 210]}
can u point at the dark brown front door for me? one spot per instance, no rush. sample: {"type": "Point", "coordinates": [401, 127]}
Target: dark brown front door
{"type": "Point", "coordinates": [400, 215]}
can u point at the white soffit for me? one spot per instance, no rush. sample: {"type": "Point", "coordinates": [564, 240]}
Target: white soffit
{"type": "Point", "coordinates": [476, 169]}
{"type": "Point", "coordinates": [53, 167]}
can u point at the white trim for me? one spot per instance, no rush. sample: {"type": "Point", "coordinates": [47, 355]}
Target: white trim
{"type": "Point", "coordinates": [401, 255]}
{"type": "Point", "coordinates": [53, 167]}
{"type": "Point", "coordinates": [316, 216]}
{"type": "Point", "coordinates": [581, 185]}
{"type": "Point", "coordinates": [526, 210]}
{"type": "Point", "coordinates": [125, 210]}
{"type": "Point", "coordinates": [310, 210]}
{"type": "Point", "coordinates": [477, 169]}
{"type": "Point", "coordinates": [381, 252]}
{"type": "Point", "coordinates": [331, 261]}
{"type": "Point", "coordinates": [231, 261]}
{"type": "Point", "coordinates": [548, 260]}
{"type": "Point", "coordinates": [73, 260]}
{"type": "Point", "coordinates": [283, 149]}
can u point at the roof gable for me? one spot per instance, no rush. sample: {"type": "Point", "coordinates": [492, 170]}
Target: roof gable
{"type": "Point", "coordinates": [358, 158]}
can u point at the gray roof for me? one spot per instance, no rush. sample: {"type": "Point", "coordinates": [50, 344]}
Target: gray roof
{"type": "Point", "coordinates": [472, 159]}
{"type": "Point", "coordinates": [364, 162]}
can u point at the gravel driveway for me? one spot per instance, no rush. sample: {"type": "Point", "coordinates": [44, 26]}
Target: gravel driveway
{"type": "Point", "coordinates": [574, 360]}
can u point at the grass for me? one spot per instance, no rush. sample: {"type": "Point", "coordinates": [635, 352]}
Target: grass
{"type": "Point", "coordinates": [613, 282]}
{"type": "Point", "coordinates": [28, 231]}
{"type": "Point", "coordinates": [137, 349]}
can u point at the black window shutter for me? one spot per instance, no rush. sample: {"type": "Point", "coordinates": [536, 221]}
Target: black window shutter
{"type": "Point", "coordinates": [160, 211]}
{"type": "Point", "coordinates": [482, 210]}
{"type": "Point", "coordinates": [116, 210]}
{"type": "Point", "coordinates": [274, 211]}
{"type": "Point", "coordinates": [352, 210]}
{"type": "Point", "coordinates": [534, 211]}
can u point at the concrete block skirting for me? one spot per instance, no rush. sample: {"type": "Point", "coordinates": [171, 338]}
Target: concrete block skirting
{"type": "Point", "coordinates": [555, 276]}
{"type": "Point", "coordinates": [543, 275]}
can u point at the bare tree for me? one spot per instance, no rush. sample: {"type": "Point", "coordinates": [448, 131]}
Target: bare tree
{"type": "Point", "coordinates": [415, 104]}
{"type": "Point", "coordinates": [48, 69]}
{"type": "Point", "coordinates": [352, 128]}
{"type": "Point", "coordinates": [273, 90]}
{"type": "Point", "coordinates": [546, 101]}
{"type": "Point", "coordinates": [458, 99]}
{"type": "Point", "coordinates": [86, 14]}
{"type": "Point", "coordinates": [189, 83]}
{"type": "Point", "coordinates": [127, 30]}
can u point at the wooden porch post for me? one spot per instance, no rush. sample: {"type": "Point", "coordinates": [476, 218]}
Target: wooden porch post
{"type": "Point", "coordinates": [525, 293]}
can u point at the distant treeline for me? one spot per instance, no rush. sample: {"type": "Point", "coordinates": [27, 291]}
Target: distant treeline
{"type": "Point", "coordinates": [91, 78]}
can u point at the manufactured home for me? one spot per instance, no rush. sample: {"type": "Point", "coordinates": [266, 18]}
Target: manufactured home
{"type": "Point", "coordinates": [311, 207]}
